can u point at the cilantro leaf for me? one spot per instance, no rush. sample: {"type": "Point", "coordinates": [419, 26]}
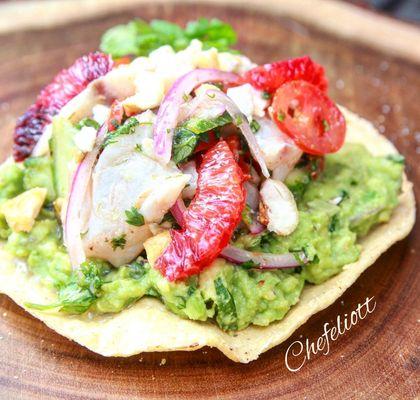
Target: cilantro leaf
{"type": "Point", "coordinates": [191, 132]}
{"type": "Point", "coordinates": [134, 217]}
{"type": "Point", "coordinates": [119, 242]}
{"type": "Point", "coordinates": [88, 122]}
{"type": "Point", "coordinates": [84, 288]}
{"type": "Point", "coordinates": [185, 141]}
{"type": "Point", "coordinates": [128, 128]}
{"type": "Point", "coordinates": [139, 38]}
{"type": "Point", "coordinates": [396, 158]}
{"type": "Point", "coordinates": [227, 316]}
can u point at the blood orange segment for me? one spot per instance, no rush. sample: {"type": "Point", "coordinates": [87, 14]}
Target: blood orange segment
{"type": "Point", "coordinates": [66, 85]}
{"type": "Point", "coordinates": [269, 77]}
{"type": "Point", "coordinates": [210, 219]}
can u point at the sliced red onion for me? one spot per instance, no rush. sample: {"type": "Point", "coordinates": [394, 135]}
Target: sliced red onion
{"type": "Point", "coordinates": [256, 227]}
{"type": "Point", "coordinates": [178, 210]}
{"type": "Point", "coordinates": [263, 260]}
{"type": "Point", "coordinates": [252, 195]}
{"type": "Point", "coordinates": [167, 117]}
{"type": "Point", "coordinates": [79, 187]}
{"type": "Point", "coordinates": [253, 201]}
{"type": "Point", "coordinates": [242, 123]}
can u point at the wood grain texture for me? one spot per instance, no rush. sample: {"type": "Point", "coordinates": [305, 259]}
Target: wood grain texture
{"type": "Point", "coordinates": [377, 359]}
{"type": "Point", "coordinates": [337, 17]}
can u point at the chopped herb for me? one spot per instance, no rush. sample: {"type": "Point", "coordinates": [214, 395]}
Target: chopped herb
{"type": "Point", "coordinates": [115, 123]}
{"type": "Point", "coordinates": [250, 264]}
{"type": "Point", "coordinates": [185, 97]}
{"type": "Point", "coordinates": [191, 132]}
{"type": "Point", "coordinates": [255, 126]}
{"type": "Point", "coordinates": [134, 217]}
{"type": "Point", "coordinates": [325, 125]}
{"type": "Point", "coordinates": [200, 125]}
{"type": "Point", "coordinates": [138, 148]}
{"type": "Point", "coordinates": [339, 199]}
{"type": "Point", "coordinates": [281, 116]}
{"type": "Point", "coordinates": [247, 215]}
{"type": "Point", "coordinates": [88, 122]}
{"type": "Point", "coordinates": [396, 158]}
{"type": "Point", "coordinates": [82, 291]}
{"type": "Point", "coordinates": [137, 270]}
{"type": "Point", "coordinates": [139, 38]}
{"type": "Point", "coordinates": [266, 95]}
{"type": "Point", "coordinates": [184, 144]}
{"type": "Point", "coordinates": [119, 242]}
{"type": "Point", "coordinates": [333, 223]}
{"type": "Point", "coordinates": [226, 310]}
{"type": "Point", "coordinates": [239, 119]}
{"type": "Point", "coordinates": [128, 128]}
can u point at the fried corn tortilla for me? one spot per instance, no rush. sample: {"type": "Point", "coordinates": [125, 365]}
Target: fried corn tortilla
{"type": "Point", "coordinates": [148, 326]}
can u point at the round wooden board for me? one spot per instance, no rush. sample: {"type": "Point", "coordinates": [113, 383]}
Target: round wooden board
{"type": "Point", "coordinates": [376, 359]}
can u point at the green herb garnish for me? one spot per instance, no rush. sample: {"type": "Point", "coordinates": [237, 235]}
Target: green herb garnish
{"type": "Point", "coordinates": [119, 242]}
{"type": "Point", "coordinates": [325, 125]}
{"type": "Point", "coordinates": [266, 96]}
{"type": "Point", "coordinates": [255, 126]}
{"type": "Point", "coordinates": [88, 122]}
{"type": "Point", "coordinates": [139, 38]}
{"type": "Point", "coordinates": [134, 217]}
{"type": "Point", "coordinates": [281, 116]}
{"type": "Point", "coordinates": [80, 293]}
{"type": "Point", "coordinates": [191, 132]}
{"type": "Point", "coordinates": [227, 315]}
{"type": "Point", "coordinates": [396, 158]}
{"type": "Point", "coordinates": [128, 128]}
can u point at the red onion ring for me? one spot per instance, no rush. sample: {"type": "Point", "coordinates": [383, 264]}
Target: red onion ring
{"type": "Point", "coordinates": [80, 183]}
{"type": "Point", "coordinates": [168, 113]}
{"type": "Point", "coordinates": [263, 260]}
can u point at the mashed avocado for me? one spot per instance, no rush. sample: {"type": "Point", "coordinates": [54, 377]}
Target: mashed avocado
{"type": "Point", "coordinates": [355, 192]}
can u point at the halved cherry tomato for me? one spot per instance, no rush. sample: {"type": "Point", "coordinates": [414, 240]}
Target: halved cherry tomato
{"type": "Point", "coordinates": [210, 219]}
{"type": "Point", "coordinates": [269, 77]}
{"type": "Point", "coordinates": [116, 115]}
{"type": "Point", "coordinates": [309, 117]}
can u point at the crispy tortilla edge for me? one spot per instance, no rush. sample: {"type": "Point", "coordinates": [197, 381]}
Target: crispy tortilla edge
{"type": "Point", "coordinates": [149, 326]}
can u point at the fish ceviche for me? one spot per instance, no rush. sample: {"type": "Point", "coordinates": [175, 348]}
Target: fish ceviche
{"type": "Point", "coordinates": [169, 166]}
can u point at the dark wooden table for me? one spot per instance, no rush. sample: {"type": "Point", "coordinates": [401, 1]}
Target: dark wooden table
{"type": "Point", "coordinates": [377, 359]}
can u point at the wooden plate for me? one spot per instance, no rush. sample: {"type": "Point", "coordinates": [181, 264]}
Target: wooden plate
{"type": "Point", "coordinates": [376, 359]}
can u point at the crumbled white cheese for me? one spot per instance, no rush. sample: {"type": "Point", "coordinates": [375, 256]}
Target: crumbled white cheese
{"type": "Point", "coordinates": [150, 90]}
{"type": "Point", "coordinates": [85, 139]}
{"type": "Point", "coordinates": [249, 100]}
{"type": "Point", "coordinates": [101, 113]}
{"type": "Point", "coordinates": [234, 63]}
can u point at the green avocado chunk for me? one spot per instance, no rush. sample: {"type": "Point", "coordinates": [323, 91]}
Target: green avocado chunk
{"type": "Point", "coordinates": [38, 173]}
{"type": "Point", "coordinates": [64, 152]}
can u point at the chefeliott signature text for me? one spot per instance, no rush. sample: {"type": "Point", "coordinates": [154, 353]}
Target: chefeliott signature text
{"type": "Point", "coordinates": [299, 352]}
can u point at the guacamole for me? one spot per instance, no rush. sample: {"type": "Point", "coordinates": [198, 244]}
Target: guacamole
{"type": "Point", "coordinates": [354, 192]}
